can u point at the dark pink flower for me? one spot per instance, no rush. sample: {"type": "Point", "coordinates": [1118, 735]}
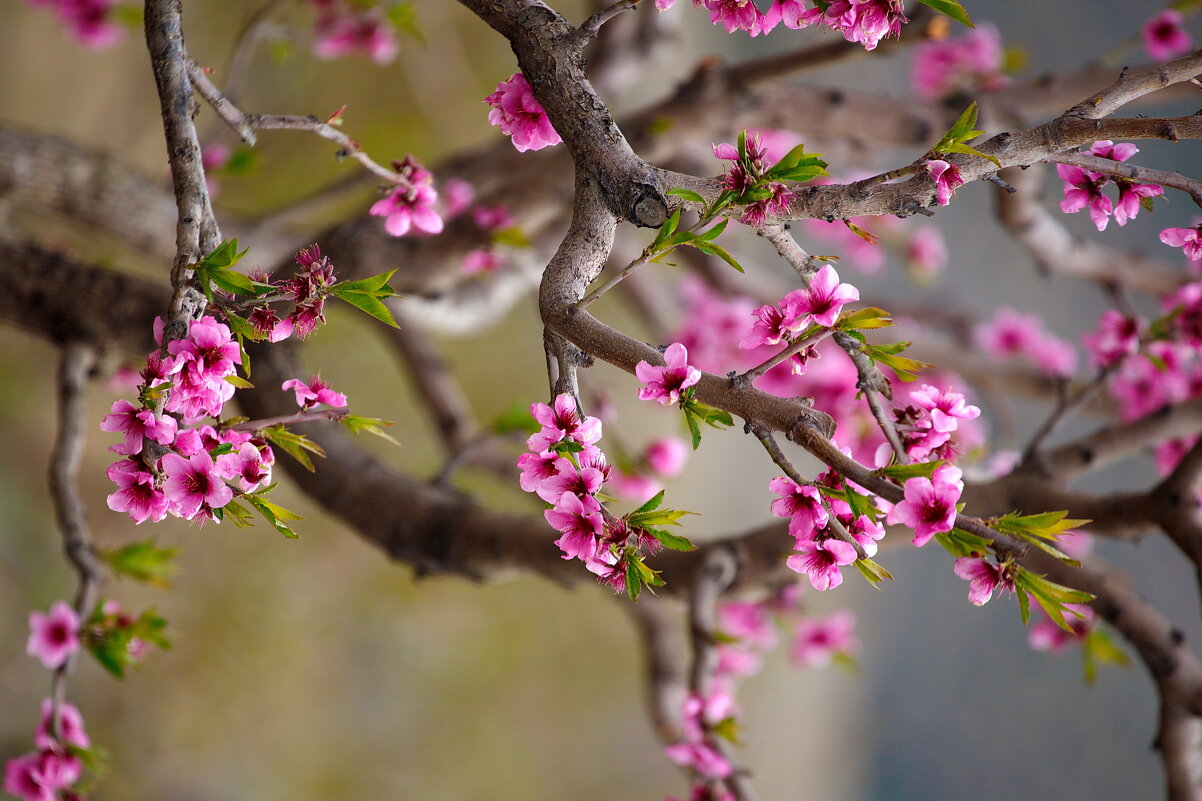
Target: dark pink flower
{"type": "Point", "coordinates": [818, 640]}
{"type": "Point", "coordinates": [90, 22]}
{"type": "Point", "coordinates": [137, 424]}
{"type": "Point", "coordinates": [314, 392]}
{"type": "Point", "coordinates": [929, 506]}
{"type": "Point", "coordinates": [926, 253]}
{"type": "Point", "coordinates": [821, 561]}
{"type": "Point", "coordinates": [580, 522]}
{"type": "Point", "coordinates": [482, 260]}
{"type": "Point", "coordinates": [1165, 36]}
{"type": "Point", "coordinates": [53, 637]}
{"type": "Point", "coordinates": [1117, 338]}
{"type": "Point", "coordinates": [947, 179]}
{"type": "Point", "coordinates": [41, 775]}
{"type": "Point", "coordinates": [786, 12]}
{"type": "Point", "coordinates": [536, 467]}
{"type": "Point", "coordinates": [193, 486]}
{"type": "Point", "coordinates": [749, 622]}
{"type": "Point", "coordinates": [825, 298]}
{"type": "Point", "coordinates": [1185, 238]}
{"type": "Point", "coordinates": [775, 324]}
{"type": "Point", "coordinates": [457, 196]}
{"type": "Point", "coordinates": [756, 213]}
{"type": "Point", "coordinates": [583, 481]}
{"type": "Point", "coordinates": [862, 21]}
{"type": "Point", "coordinates": [665, 384]}
{"type": "Point", "coordinates": [517, 112]}
{"type": "Point", "coordinates": [136, 494]}
{"type": "Point", "coordinates": [734, 15]}
{"type": "Point", "coordinates": [247, 465]}
{"type": "Point", "coordinates": [701, 758]}
{"type": "Point", "coordinates": [983, 577]}
{"type": "Point", "coordinates": [412, 203]}
{"type": "Point", "coordinates": [1084, 188]}
{"type": "Point", "coordinates": [70, 727]}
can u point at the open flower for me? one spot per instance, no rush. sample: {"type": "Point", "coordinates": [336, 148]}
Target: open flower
{"type": "Point", "coordinates": [821, 561]}
{"type": "Point", "coordinates": [983, 578]}
{"type": "Point", "coordinates": [929, 506]}
{"type": "Point", "coordinates": [1165, 36]}
{"type": "Point", "coordinates": [665, 384]}
{"type": "Point", "coordinates": [517, 112]}
{"type": "Point", "coordinates": [947, 179]}
{"type": "Point", "coordinates": [825, 298]}
{"type": "Point", "coordinates": [53, 637]}
{"type": "Point", "coordinates": [412, 204]}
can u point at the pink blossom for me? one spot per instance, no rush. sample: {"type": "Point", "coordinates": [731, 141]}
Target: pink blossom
{"type": "Point", "coordinates": [1084, 188]}
{"type": "Point", "coordinates": [579, 520]}
{"type": "Point", "coordinates": [926, 253]}
{"type": "Point", "coordinates": [70, 727]}
{"type": "Point", "coordinates": [734, 15]}
{"type": "Point", "coordinates": [634, 487]}
{"type": "Point", "coordinates": [481, 261]}
{"type": "Point", "coordinates": [775, 324]}
{"type": "Point", "coordinates": [536, 467]}
{"type": "Point", "coordinates": [664, 5]}
{"type": "Point", "coordinates": [89, 21]}
{"type": "Point", "coordinates": [786, 12]}
{"type": "Point", "coordinates": [193, 486]}
{"type": "Point", "coordinates": [203, 360]}
{"type": "Point", "coordinates": [1165, 36]}
{"type": "Point", "coordinates": [969, 62]}
{"type": "Point", "coordinates": [946, 408]}
{"type": "Point", "coordinates": [247, 465]}
{"type": "Point", "coordinates": [821, 560]}
{"type": "Point", "coordinates": [983, 577]}
{"type": "Point", "coordinates": [701, 757]}
{"type": "Point", "coordinates": [801, 504]}
{"type": "Point", "coordinates": [756, 213]}
{"type": "Point", "coordinates": [53, 637]}
{"type": "Point", "coordinates": [137, 424]}
{"type": "Point", "coordinates": [491, 218]}
{"type": "Point", "coordinates": [826, 297]}
{"type": "Point", "coordinates": [818, 640]}
{"type": "Point", "coordinates": [1185, 238]}
{"type": "Point", "coordinates": [412, 203]}
{"type": "Point", "coordinates": [666, 456]}
{"type": "Point", "coordinates": [929, 506]}
{"type": "Point", "coordinates": [665, 384]}
{"type": "Point", "coordinates": [457, 196]}
{"type": "Point", "coordinates": [582, 482]}
{"type": "Point", "coordinates": [314, 392]}
{"type": "Point", "coordinates": [698, 713]}
{"type": "Point", "coordinates": [862, 21]}
{"type": "Point", "coordinates": [947, 179]}
{"type": "Point", "coordinates": [517, 112]}
{"type": "Point", "coordinates": [1046, 635]}
{"type": "Point", "coordinates": [865, 531]}
{"type": "Point", "coordinates": [1012, 334]}
{"type": "Point", "coordinates": [40, 776]}
{"type": "Point", "coordinates": [560, 422]}
{"type": "Point", "coordinates": [1130, 199]}
{"type": "Point", "coordinates": [1117, 338]}
{"type": "Point", "coordinates": [341, 29]}
{"type": "Point", "coordinates": [136, 494]}
{"type": "Point", "coordinates": [1142, 386]}
{"type": "Point", "coordinates": [749, 622]}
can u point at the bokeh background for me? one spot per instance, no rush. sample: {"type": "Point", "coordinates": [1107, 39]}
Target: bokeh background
{"type": "Point", "coordinates": [315, 669]}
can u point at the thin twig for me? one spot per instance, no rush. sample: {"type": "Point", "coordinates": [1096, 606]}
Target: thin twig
{"type": "Point", "coordinates": [1065, 406]}
{"type": "Point", "coordinates": [309, 416]}
{"type": "Point", "coordinates": [74, 367]}
{"type": "Point", "coordinates": [794, 254]}
{"type": "Point", "coordinates": [795, 347]}
{"type": "Point", "coordinates": [592, 25]}
{"type": "Point", "coordinates": [874, 385]}
{"type": "Point", "coordinates": [1131, 172]}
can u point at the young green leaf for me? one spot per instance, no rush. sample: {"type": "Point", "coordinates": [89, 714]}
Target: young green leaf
{"type": "Point", "coordinates": [372, 425]}
{"type": "Point", "coordinates": [369, 304]}
{"type": "Point", "coordinates": [297, 446]}
{"type": "Point", "coordinates": [951, 8]}
{"type": "Point", "coordinates": [686, 194]}
{"type": "Point", "coordinates": [142, 561]}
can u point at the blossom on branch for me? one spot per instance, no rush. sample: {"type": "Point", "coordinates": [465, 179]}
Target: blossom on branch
{"type": "Point", "coordinates": [1165, 36]}
{"type": "Point", "coordinates": [665, 384]}
{"type": "Point", "coordinates": [53, 637]}
{"type": "Point", "coordinates": [947, 179]}
{"type": "Point", "coordinates": [983, 577]}
{"type": "Point", "coordinates": [412, 203]}
{"type": "Point", "coordinates": [821, 560]}
{"type": "Point", "coordinates": [929, 506]}
{"type": "Point", "coordinates": [314, 392]}
{"type": "Point", "coordinates": [519, 115]}
{"type": "Point", "coordinates": [818, 640]}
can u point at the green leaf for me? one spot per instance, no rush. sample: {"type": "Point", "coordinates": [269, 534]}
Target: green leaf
{"type": "Point", "coordinates": [142, 561]}
{"type": "Point", "coordinates": [906, 471]}
{"type": "Point", "coordinates": [512, 237]}
{"type": "Point", "coordinates": [297, 446]}
{"type": "Point", "coordinates": [275, 515]}
{"type": "Point", "coordinates": [239, 381]}
{"type": "Point", "coordinates": [871, 317]}
{"type": "Point", "coordinates": [368, 304]}
{"type": "Point", "coordinates": [960, 147]}
{"type": "Point", "coordinates": [227, 280]}
{"type": "Point", "coordinates": [713, 233]}
{"type": "Point", "coordinates": [238, 514]}
{"type": "Point", "coordinates": [727, 729]}
{"type": "Point", "coordinates": [242, 161]}
{"type": "Point", "coordinates": [650, 505]}
{"type": "Point", "coordinates": [863, 233]}
{"type": "Point", "coordinates": [952, 8]}
{"type": "Point", "coordinates": [1024, 604]}
{"type": "Point", "coordinates": [873, 572]}
{"type": "Point", "coordinates": [671, 541]}
{"type": "Point", "coordinates": [657, 517]}
{"type": "Point", "coordinates": [373, 285]}
{"type": "Point", "coordinates": [686, 194]}
{"type": "Point", "coordinates": [742, 145]}
{"type": "Point", "coordinates": [959, 542]}
{"type": "Point", "coordinates": [633, 585]}
{"type": "Point", "coordinates": [372, 425]}
{"type": "Point", "coordinates": [887, 355]}
{"type": "Point", "coordinates": [223, 256]}
{"type": "Point", "coordinates": [694, 429]}
{"type": "Point", "coordinates": [404, 16]}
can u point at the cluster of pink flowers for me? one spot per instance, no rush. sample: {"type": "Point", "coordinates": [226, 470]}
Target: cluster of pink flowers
{"type": "Point", "coordinates": [1013, 335]}
{"type": "Point", "coordinates": [1165, 36]}
{"type": "Point", "coordinates": [698, 716]}
{"type": "Point", "coordinates": [519, 115]}
{"type": "Point", "coordinates": [343, 28]}
{"type": "Point", "coordinates": [820, 305]}
{"type": "Point", "coordinates": [819, 552]}
{"type": "Point", "coordinates": [965, 64]}
{"type": "Point", "coordinates": [90, 22]}
{"type": "Point", "coordinates": [744, 175]}
{"type": "Point", "coordinates": [863, 21]}
{"type": "Point", "coordinates": [412, 203]}
{"type": "Point", "coordinates": [929, 505]}
{"type": "Point", "coordinates": [49, 773]}
{"type": "Point", "coordinates": [926, 424]}
{"type": "Point", "coordinates": [306, 289]}
{"type": "Point", "coordinates": [1083, 188]}
{"type": "Point", "coordinates": [666, 385]}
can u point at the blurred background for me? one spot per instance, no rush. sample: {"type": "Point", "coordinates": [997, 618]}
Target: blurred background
{"type": "Point", "coordinates": [316, 669]}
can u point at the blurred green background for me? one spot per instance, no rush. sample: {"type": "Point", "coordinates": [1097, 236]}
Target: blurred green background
{"type": "Point", "coordinates": [315, 669]}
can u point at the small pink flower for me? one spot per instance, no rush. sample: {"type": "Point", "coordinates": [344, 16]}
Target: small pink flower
{"type": "Point", "coordinates": [193, 486]}
{"type": "Point", "coordinates": [946, 66]}
{"type": "Point", "coordinates": [41, 775]}
{"type": "Point", "coordinates": [862, 21]}
{"type": "Point", "coordinates": [481, 261]}
{"type": "Point", "coordinates": [926, 253]}
{"type": "Point", "coordinates": [1165, 36]}
{"type": "Point", "coordinates": [1185, 238]}
{"type": "Point", "coordinates": [136, 494]}
{"type": "Point", "coordinates": [1084, 188]}
{"type": "Point", "coordinates": [825, 298]}
{"type": "Point", "coordinates": [734, 15]}
{"type": "Point", "coordinates": [983, 577]}
{"type": "Point", "coordinates": [947, 179]}
{"type": "Point", "coordinates": [341, 29]}
{"type": "Point", "coordinates": [536, 468]}
{"type": "Point", "coordinates": [945, 407]}
{"type": "Point", "coordinates": [665, 384]}
{"type": "Point", "coordinates": [247, 465]}
{"type": "Point", "coordinates": [633, 487]}
{"type": "Point", "coordinates": [756, 213]}
{"type": "Point", "coordinates": [929, 506]}
{"type": "Point", "coordinates": [1117, 338]}
{"type": "Point", "coordinates": [457, 196]}
{"type": "Point", "coordinates": [70, 726]}
{"type": "Point", "coordinates": [821, 561]}
{"type": "Point", "coordinates": [137, 424]}
{"type": "Point", "coordinates": [786, 12]}
{"type": "Point", "coordinates": [517, 112]}
{"type": "Point", "coordinates": [53, 637]}
{"type": "Point", "coordinates": [90, 22]}
{"type": "Point", "coordinates": [801, 504]}
{"type": "Point", "coordinates": [314, 392]}
{"type": "Point", "coordinates": [412, 204]}
{"type": "Point", "coordinates": [774, 324]}
{"type": "Point", "coordinates": [560, 422]}
{"type": "Point", "coordinates": [581, 482]}
{"type": "Point", "coordinates": [749, 622]}
{"type": "Point", "coordinates": [818, 640]}
{"type": "Point", "coordinates": [666, 456]}
{"type": "Point", "coordinates": [580, 522]}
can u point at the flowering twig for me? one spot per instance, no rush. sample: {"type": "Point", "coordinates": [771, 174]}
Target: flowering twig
{"type": "Point", "coordinates": [1132, 172]}
{"type": "Point", "coordinates": [873, 384]}
{"type": "Point", "coordinates": [74, 366]}
{"type": "Point", "coordinates": [245, 124]}
{"type": "Point", "coordinates": [304, 416]}
{"type": "Point", "coordinates": [794, 348]}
